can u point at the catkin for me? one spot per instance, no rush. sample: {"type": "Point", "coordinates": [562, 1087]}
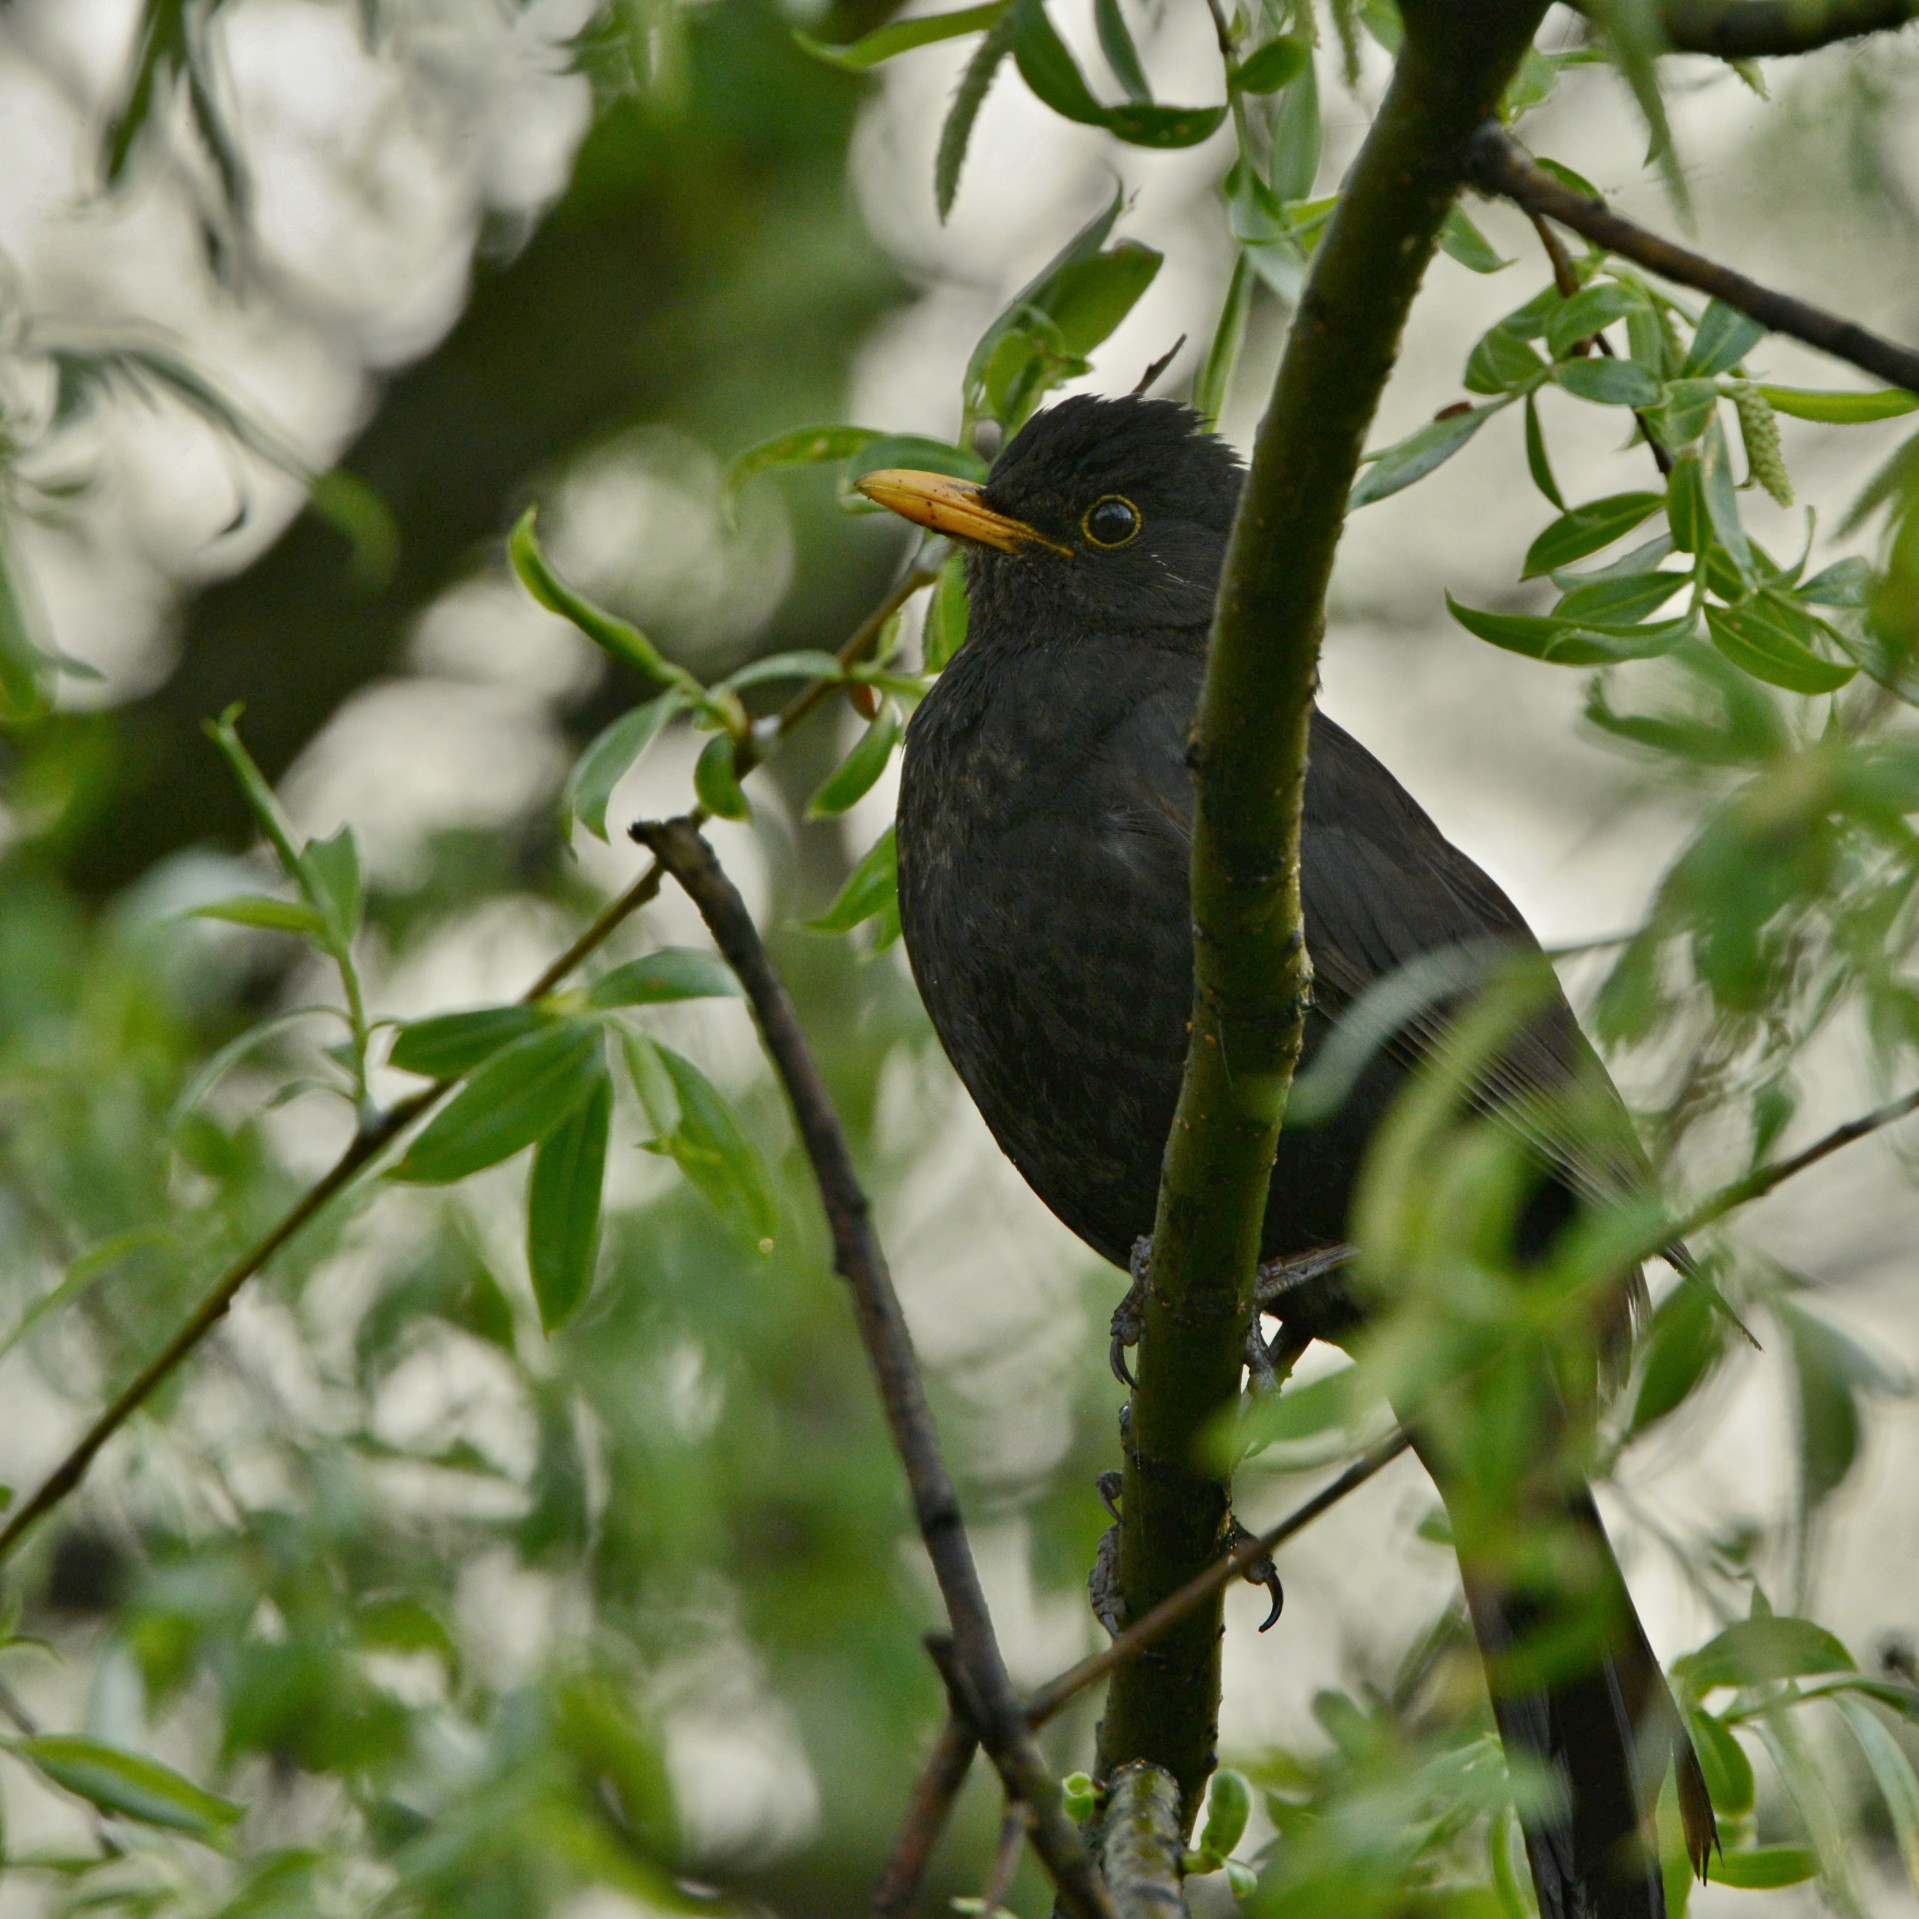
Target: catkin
{"type": "Point", "coordinates": [1759, 428]}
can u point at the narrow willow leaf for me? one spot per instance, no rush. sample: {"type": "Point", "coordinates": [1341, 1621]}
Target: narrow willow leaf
{"type": "Point", "coordinates": [1758, 640]}
{"type": "Point", "coordinates": [1569, 643]}
{"type": "Point", "coordinates": [707, 1141]}
{"type": "Point", "coordinates": [1585, 529]}
{"type": "Point", "coordinates": [1090, 298]}
{"type": "Point", "coordinates": [1607, 382]}
{"type": "Point", "coordinates": [1840, 409]}
{"type": "Point", "coordinates": [1116, 43]}
{"type": "Point", "coordinates": [563, 1205]}
{"type": "Point", "coordinates": [1536, 462]}
{"type": "Point", "coordinates": [1415, 456]}
{"type": "Point", "coordinates": [915, 450]}
{"type": "Point", "coordinates": [614, 753]}
{"type": "Point", "coordinates": [1465, 243]}
{"type": "Point", "coordinates": [258, 909]}
{"type": "Point", "coordinates": [1229, 336]}
{"type": "Point", "coordinates": [1620, 600]}
{"type": "Point", "coordinates": [853, 778]}
{"type": "Point", "coordinates": [1723, 338]}
{"type": "Point", "coordinates": [969, 96]}
{"type": "Point", "coordinates": [946, 615]}
{"type": "Point", "coordinates": [1050, 70]}
{"type": "Point", "coordinates": [625, 642]}
{"type": "Point", "coordinates": [517, 1096]}
{"type": "Point", "coordinates": [1272, 66]}
{"type": "Point", "coordinates": [717, 782]}
{"type": "Point", "coordinates": [336, 884]}
{"type": "Point", "coordinates": [128, 1783]}
{"type": "Point", "coordinates": [804, 446]}
{"type": "Point", "coordinates": [1846, 583]}
{"type": "Point", "coordinates": [902, 36]}
{"type": "Point", "coordinates": [1502, 362]}
{"type": "Point", "coordinates": [655, 979]}
{"type": "Point", "coordinates": [1762, 1868]}
{"type": "Point", "coordinates": [1721, 497]}
{"type": "Point", "coordinates": [872, 888]}
{"type": "Point", "coordinates": [803, 663]}
{"type": "Point", "coordinates": [26, 671]}
{"type": "Point", "coordinates": [1729, 1776]}
{"type": "Point", "coordinates": [1751, 1652]}
{"type": "Point", "coordinates": [449, 1045]}
{"type": "Point", "coordinates": [1589, 311]}
{"type": "Point", "coordinates": [1685, 1341]}
{"type": "Point", "coordinates": [1892, 1770]}
{"type": "Point", "coordinates": [1296, 139]}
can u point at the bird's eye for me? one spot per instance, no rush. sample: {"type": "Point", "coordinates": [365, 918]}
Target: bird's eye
{"type": "Point", "coordinates": [1111, 522]}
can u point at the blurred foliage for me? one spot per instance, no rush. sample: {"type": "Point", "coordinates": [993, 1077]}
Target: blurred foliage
{"type": "Point", "coordinates": [516, 1543]}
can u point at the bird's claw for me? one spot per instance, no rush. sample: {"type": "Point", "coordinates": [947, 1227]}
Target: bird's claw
{"type": "Point", "coordinates": [1278, 1279]}
{"type": "Point", "coordinates": [1108, 1485]}
{"type": "Point", "coordinates": [1130, 1314]}
{"type": "Point", "coordinates": [1259, 1571]}
{"type": "Point", "coordinates": [1102, 1584]}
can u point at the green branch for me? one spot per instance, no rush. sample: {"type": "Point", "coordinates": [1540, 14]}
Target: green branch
{"type": "Point", "coordinates": [1759, 29]}
{"type": "Point", "coordinates": [1249, 753]}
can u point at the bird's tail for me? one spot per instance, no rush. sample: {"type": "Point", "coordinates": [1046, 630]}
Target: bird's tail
{"type": "Point", "coordinates": [1577, 1691]}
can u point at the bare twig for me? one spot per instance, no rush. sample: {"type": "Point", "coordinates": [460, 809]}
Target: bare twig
{"type": "Point", "coordinates": [980, 1674]}
{"type": "Point", "coordinates": [1015, 1823]}
{"type": "Point", "coordinates": [1055, 1694]}
{"type": "Point", "coordinates": [1497, 164]}
{"type": "Point", "coordinates": [380, 1130]}
{"type": "Point", "coordinates": [1758, 29]}
{"type": "Point", "coordinates": [927, 1812]}
{"type": "Point", "coordinates": [1141, 1842]}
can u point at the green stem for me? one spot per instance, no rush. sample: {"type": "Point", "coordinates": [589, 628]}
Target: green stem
{"type": "Point", "coordinates": [1252, 974]}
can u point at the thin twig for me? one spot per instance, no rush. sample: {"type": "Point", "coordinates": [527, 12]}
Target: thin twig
{"type": "Point", "coordinates": [1759, 29]}
{"type": "Point", "coordinates": [927, 1812]}
{"type": "Point", "coordinates": [380, 1130]}
{"type": "Point", "coordinates": [1497, 164]}
{"type": "Point", "coordinates": [1015, 1823]}
{"type": "Point", "coordinates": [1052, 1697]}
{"type": "Point", "coordinates": [991, 1703]}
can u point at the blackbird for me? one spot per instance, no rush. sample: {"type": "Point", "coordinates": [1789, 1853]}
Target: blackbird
{"type": "Point", "coordinates": [1044, 841]}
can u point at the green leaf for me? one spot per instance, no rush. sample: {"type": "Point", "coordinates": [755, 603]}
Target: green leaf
{"type": "Point", "coordinates": [1830, 1372]}
{"type": "Point", "coordinates": [1296, 139]}
{"type": "Point", "coordinates": [1049, 69]}
{"type": "Point", "coordinates": [853, 778]}
{"type": "Point", "coordinates": [615, 751]}
{"type": "Point", "coordinates": [968, 97]}
{"type": "Point", "coordinates": [1569, 643]}
{"type": "Point", "coordinates": [364, 520]}
{"type": "Point", "coordinates": [1585, 529]}
{"type": "Point", "coordinates": [258, 909]}
{"type": "Point", "coordinates": [626, 643]}
{"type": "Point", "coordinates": [1846, 583]}
{"type": "Point", "coordinates": [1759, 638]}
{"type": "Point", "coordinates": [1686, 409]}
{"type": "Point", "coordinates": [655, 979]}
{"type": "Point", "coordinates": [1229, 1804]}
{"type": "Point", "coordinates": [1536, 462]}
{"type": "Point", "coordinates": [717, 782]}
{"type": "Point", "coordinates": [1621, 599]}
{"type": "Point", "coordinates": [26, 669]}
{"type": "Point", "coordinates": [1229, 336]}
{"type": "Point", "coordinates": [1607, 382]}
{"type": "Point", "coordinates": [1723, 338]}
{"type": "Point", "coordinates": [1840, 409]}
{"type": "Point", "coordinates": [706, 1141]}
{"type": "Point", "coordinates": [871, 888]}
{"type": "Point", "coordinates": [916, 451]}
{"type": "Point", "coordinates": [1893, 1772]}
{"type": "Point", "coordinates": [1686, 1338]}
{"type": "Point", "coordinates": [1268, 68]}
{"type": "Point", "coordinates": [128, 1783]}
{"type": "Point", "coordinates": [1116, 43]}
{"type": "Point", "coordinates": [1729, 1779]}
{"type": "Point", "coordinates": [1761, 1868]}
{"type": "Point", "coordinates": [517, 1096]}
{"type": "Point", "coordinates": [946, 611]}
{"type": "Point", "coordinates": [1415, 456]}
{"type": "Point", "coordinates": [450, 1045]}
{"type": "Point", "coordinates": [1753, 1652]}
{"type": "Point", "coordinates": [804, 446]}
{"type": "Point", "coordinates": [902, 36]}
{"type": "Point", "coordinates": [1721, 496]}
{"type": "Point", "coordinates": [1502, 362]}
{"type": "Point", "coordinates": [336, 884]}
{"type": "Point", "coordinates": [1089, 298]}
{"type": "Point", "coordinates": [563, 1205]}
{"type": "Point", "coordinates": [1465, 243]}
{"type": "Point", "coordinates": [1588, 312]}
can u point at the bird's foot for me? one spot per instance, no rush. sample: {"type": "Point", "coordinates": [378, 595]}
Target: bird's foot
{"type": "Point", "coordinates": [1102, 1584]}
{"type": "Point", "coordinates": [1279, 1280]}
{"type": "Point", "coordinates": [1270, 1363]}
{"type": "Point", "coordinates": [1108, 1485]}
{"type": "Point", "coordinates": [1258, 1571]}
{"type": "Point", "coordinates": [1130, 1314]}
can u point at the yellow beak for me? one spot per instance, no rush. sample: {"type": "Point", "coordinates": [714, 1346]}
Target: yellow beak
{"type": "Point", "coordinates": [952, 508]}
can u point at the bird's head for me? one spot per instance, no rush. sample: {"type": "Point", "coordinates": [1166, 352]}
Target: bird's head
{"type": "Point", "coordinates": [1113, 513]}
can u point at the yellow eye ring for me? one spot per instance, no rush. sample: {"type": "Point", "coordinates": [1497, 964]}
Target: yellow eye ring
{"type": "Point", "coordinates": [1118, 529]}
